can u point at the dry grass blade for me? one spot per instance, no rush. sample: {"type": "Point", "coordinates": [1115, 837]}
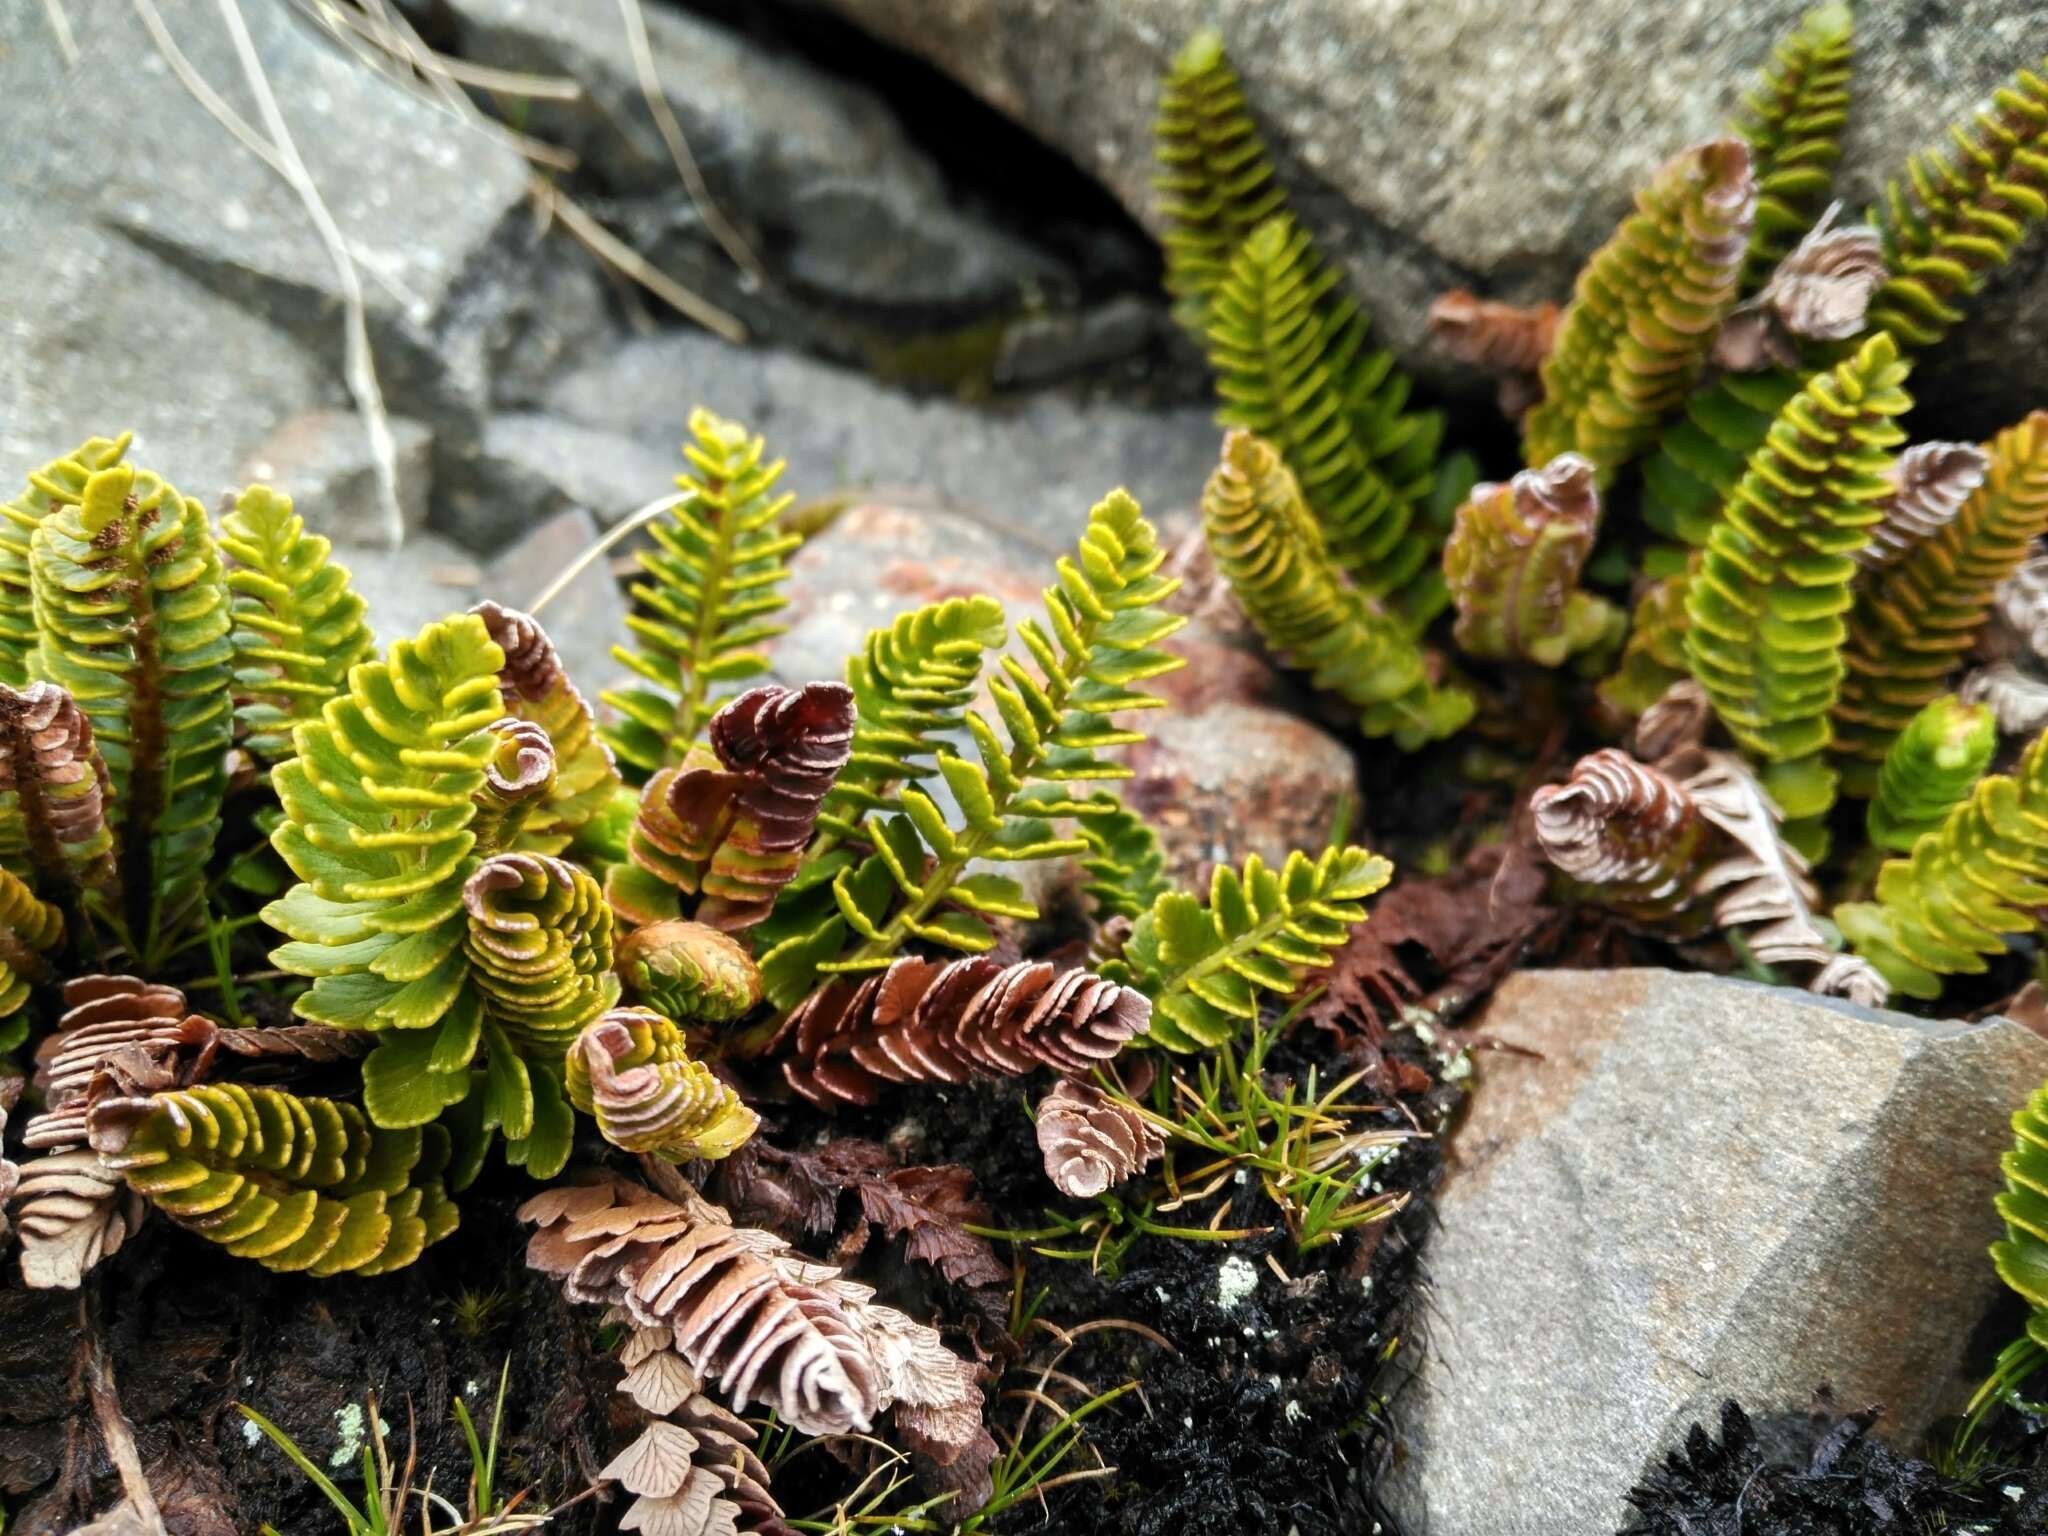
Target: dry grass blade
{"type": "Point", "coordinates": [595, 551]}
{"type": "Point", "coordinates": [613, 251]}
{"type": "Point", "coordinates": [60, 28]}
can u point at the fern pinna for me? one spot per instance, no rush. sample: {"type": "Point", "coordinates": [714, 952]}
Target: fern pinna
{"type": "Point", "coordinates": [1793, 124]}
{"type": "Point", "coordinates": [709, 592]}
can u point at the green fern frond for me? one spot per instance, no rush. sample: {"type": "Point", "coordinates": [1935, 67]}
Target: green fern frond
{"type": "Point", "coordinates": [1930, 770]}
{"type": "Point", "coordinates": [1700, 456]}
{"type": "Point", "coordinates": [61, 482]}
{"type": "Point", "coordinates": [1271, 551]}
{"type": "Point", "coordinates": [708, 597]}
{"type": "Point", "coordinates": [1915, 620]}
{"type": "Point", "coordinates": [1098, 643]}
{"type": "Point", "coordinates": [2021, 1259]}
{"type": "Point", "coordinates": [1125, 864]}
{"type": "Point", "coordinates": [1765, 613]}
{"type": "Point", "coordinates": [1292, 365]}
{"type": "Point", "coordinates": [293, 1183]}
{"type": "Point", "coordinates": [1654, 657]}
{"type": "Point", "coordinates": [1644, 311]}
{"type": "Point", "coordinates": [1978, 878]}
{"type": "Point", "coordinates": [1793, 125]}
{"type": "Point", "coordinates": [132, 610]}
{"type": "Point", "coordinates": [298, 624]}
{"type": "Point", "coordinates": [1961, 210]}
{"type": "Point", "coordinates": [378, 803]}
{"type": "Point", "coordinates": [1207, 968]}
{"type": "Point", "coordinates": [29, 930]}
{"type": "Point", "coordinates": [912, 681]}
{"type": "Point", "coordinates": [1215, 181]}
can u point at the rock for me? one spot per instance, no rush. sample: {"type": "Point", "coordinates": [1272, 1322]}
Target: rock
{"type": "Point", "coordinates": [587, 617]}
{"type": "Point", "coordinates": [1436, 144]}
{"type": "Point", "coordinates": [140, 178]}
{"type": "Point", "coordinates": [1701, 1188]}
{"type": "Point", "coordinates": [1035, 465]}
{"type": "Point", "coordinates": [321, 459]}
{"type": "Point", "coordinates": [1044, 348]}
{"type": "Point", "coordinates": [409, 588]}
{"type": "Point", "coordinates": [556, 320]}
{"type": "Point", "coordinates": [532, 466]}
{"type": "Point", "coordinates": [816, 170]}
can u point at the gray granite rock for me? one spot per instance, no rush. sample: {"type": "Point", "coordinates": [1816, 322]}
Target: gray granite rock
{"type": "Point", "coordinates": [531, 466]}
{"type": "Point", "coordinates": [1034, 466]}
{"type": "Point", "coordinates": [408, 588]}
{"type": "Point", "coordinates": [321, 459]}
{"type": "Point", "coordinates": [1448, 141]}
{"type": "Point", "coordinates": [1700, 1188]}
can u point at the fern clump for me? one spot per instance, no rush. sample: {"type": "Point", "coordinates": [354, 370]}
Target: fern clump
{"type": "Point", "coordinates": [1793, 124]}
{"type": "Point", "coordinates": [1271, 550]}
{"type": "Point", "coordinates": [1765, 613]}
{"type": "Point", "coordinates": [1930, 770]}
{"type": "Point", "coordinates": [1644, 311]}
{"type": "Point", "coordinates": [709, 594]}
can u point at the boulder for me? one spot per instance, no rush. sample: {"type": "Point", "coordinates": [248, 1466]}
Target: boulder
{"type": "Point", "coordinates": [1034, 465]}
{"type": "Point", "coordinates": [587, 617]}
{"type": "Point", "coordinates": [1446, 142]}
{"type": "Point", "coordinates": [1697, 1188]}
{"type": "Point", "coordinates": [532, 466]}
{"type": "Point", "coordinates": [409, 588]}
{"type": "Point", "coordinates": [321, 459]}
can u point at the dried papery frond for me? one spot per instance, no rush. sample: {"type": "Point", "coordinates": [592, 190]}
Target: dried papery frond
{"type": "Point", "coordinates": [1490, 335]}
{"type": "Point", "coordinates": [133, 612]}
{"type": "Point", "coordinates": [1513, 562]}
{"type": "Point", "coordinates": [61, 482]}
{"type": "Point", "coordinates": [1644, 311]}
{"type": "Point", "coordinates": [70, 1212]}
{"type": "Point", "coordinates": [1914, 621]}
{"type": "Point", "coordinates": [1793, 124]}
{"type": "Point", "coordinates": [742, 1309]}
{"type": "Point", "coordinates": [1271, 551]}
{"type": "Point", "coordinates": [1930, 770]}
{"type": "Point", "coordinates": [518, 777]}
{"type": "Point", "coordinates": [689, 971]}
{"type": "Point", "coordinates": [1090, 1141]}
{"type": "Point", "coordinates": [10, 1173]}
{"type": "Point", "coordinates": [1215, 180]}
{"type": "Point", "coordinates": [1930, 484]}
{"type": "Point", "coordinates": [293, 1183]}
{"type": "Point", "coordinates": [1764, 888]}
{"type": "Point", "coordinates": [733, 835]}
{"type": "Point", "coordinates": [1980, 876]}
{"type": "Point", "coordinates": [53, 792]}
{"type": "Point", "coordinates": [947, 1021]}
{"type": "Point", "coordinates": [298, 624]}
{"type": "Point", "coordinates": [29, 930]}
{"type": "Point", "coordinates": [1627, 832]}
{"type": "Point", "coordinates": [1821, 292]}
{"type": "Point", "coordinates": [693, 1469]}
{"type": "Point", "coordinates": [632, 1073]}
{"type": "Point", "coordinates": [1292, 366]}
{"type": "Point", "coordinates": [1654, 656]}
{"type": "Point", "coordinates": [2021, 602]}
{"type": "Point", "coordinates": [708, 595]}
{"type": "Point", "coordinates": [535, 687]}
{"type": "Point", "coordinates": [912, 681]}
{"type": "Point", "coordinates": [106, 1016]}
{"type": "Point", "coordinates": [2018, 699]}
{"type": "Point", "coordinates": [1961, 210]}
{"type": "Point", "coordinates": [1207, 969]}
{"type": "Point", "coordinates": [1765, 613]}
{"type": "Point", "coordinates": [378, 804]}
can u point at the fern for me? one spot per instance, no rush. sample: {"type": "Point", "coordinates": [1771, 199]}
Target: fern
{"type": "Point", "coordinates": [1915, 620]}
{"type": "Point", "coordinates": [54, 790]}
{"type": "Point", "coordinates": [1292, 366]}
{"type": "Point", "coordinates": [631, 1072]}
{"type": "Point", "coordinates": [1700, 456]}
{"type": "Point", "coordinates": [1765, 613]}
{"type": "Point", "coordinates": [132, 612]}
{"type": "Point", "coordinates": [378, 803]}
{"type": "Point", "coordinates": [1960, 211]}
{"type": "Point", "coordinates": [1654, 657]}
{"type": "Point", "coordinates": [29, 931]}
{"type": "Point", "coordinates": [1206, 968]}
{"type": "Point", "coordinates": [534, 687]}
{"type": "Point", "coordinates": [689, 971]}
{"type": "Point", "coordinates": [59, 483]}
{"type": "Point", "coordinates": [1269, 547]}
{"type": "Point", "coordinates": [1930, 770]}
{"type": "Point", "coordinates": [298, 625]}
{"type": "Point", "coordinates": [1125, 864]}
{"type": "Point", "coordinates": [293, 1183]}
{"type": "Point", "coordinates": [1980, 876]}
{"type": "Point", "coordinates": [2021, 1259]}
{"type": "Point", "coordinates": [1644, 311]}
{"type": "Point", "coordinates": [1793, 124]}
{"type": "Point", "coordinates": [709, 593]}
{"type": "Point", "coordinates": [1215, 181]}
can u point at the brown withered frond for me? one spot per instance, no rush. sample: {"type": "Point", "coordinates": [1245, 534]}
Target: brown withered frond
{"type": "Point", "coordinates": [1628, 832]}
{"type": "Point", "coordinates": [946, 1021]}
{"type": "Point", "coordinates": [10, 1173]}
{"type": "Point", "coordinates": [2018, 699]}
{"type": "Point", "coordinates": [1821, 291]}
{"type": "Point", "coordinates": [1930, 481]}
{"type": "Point", "coordinates": [745, 1312]}
{"type": "Point", "coordinates": [1090, 1141]}
{"type": "Point", "coordinates": [58, 783]}
{"type": "Point", "coordinates": [729, 827]}
{"type": "Point", "coordinates": [2021, 604]}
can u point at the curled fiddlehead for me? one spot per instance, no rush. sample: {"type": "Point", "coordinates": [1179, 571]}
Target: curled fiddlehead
{"type": "Point", "coordinates": [632, 1073]}
{"type": "Point", "coordinates": [1625, 832]}
{"type": "Point", "coordinates": [536, 688]}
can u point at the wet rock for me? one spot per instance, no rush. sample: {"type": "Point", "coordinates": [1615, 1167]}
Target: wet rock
{"type": "Point", "coordinates": [1699, 1189]}
{"type": "Point", "coordinates": [1437, 145]}
{"type": "Point", "coordinates": [587, 617]}
{"type": "Point", "coordinates": [321, 459]}
{"type": "Point", "coordinates": [1034, 465]}
{"type": "Point", "coordinates": [532, 466]}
